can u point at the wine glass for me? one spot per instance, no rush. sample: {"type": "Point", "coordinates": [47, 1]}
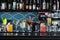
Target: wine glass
{"type": "Point", "coordinates": [22, 25]}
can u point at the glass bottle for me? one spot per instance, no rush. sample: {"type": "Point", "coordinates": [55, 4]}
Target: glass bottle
{"type": "Point", "coordinates": [27, 1]}
{"type": "Point", "coordinates": [27, 6]}
{"type": "Point", "coordinates": [54, 5]}
{"type": "Point", "coordinates": [30, 4]}
{"type": "Point", "coordinates": [34, 1]}
{"type": "Point", "coordinates": [57, 5]}
{"type": "Point", "coordinates": [38, 1]}
{"type": "Point", "coordinates": [3, 5]}
{"type": "Point", "coordinates": [18, 1]}
{"type": "Point", "coordinates": [14, 5]}
{"type": "Point", "coordinates": [9, 4]}
{"type": "Point", "coordinates": [44, 5]}
{"type": "Point", "coordinates": [34, 6]}
{"type": "Point", "coordinates": [47, 5]}
{"type": "Point", "coordinates": [21, 5]}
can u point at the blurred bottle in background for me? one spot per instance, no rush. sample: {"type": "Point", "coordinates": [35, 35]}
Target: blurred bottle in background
{"type": "Point", "coordinates": [9, 4]}
{"type": "Point", "coordinates": [34, 6]}
{"type": "Point", "coordinates": [21, 5]}
{"type": "Point", "coordinates": [27, 6]}
{"type": "Point", "coordinates": [38, 1]}
{"type": "Point", "coordinates": [57, 4]}
{"type": "Point", "coordinates": [54, 5]}
{"type": "Point", "coordinates": [3, 5]}
{"type": "Point", "coordinates": [47, 5]}
{"type": "Point", "coordinates": [14, 5]}
{"type": "Point", "coordinates": [18, 1]}
{"type": "Point", "coordinates": [44, 5]}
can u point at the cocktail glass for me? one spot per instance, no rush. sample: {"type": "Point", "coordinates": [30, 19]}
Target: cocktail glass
{"type": "Point", "coordinates": [16, 25]}
{"type": "Point", "coordinates": [22, 25]}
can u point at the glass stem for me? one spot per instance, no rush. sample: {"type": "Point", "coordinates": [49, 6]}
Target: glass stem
{"type": "Point", "coordinates": [16, 27]}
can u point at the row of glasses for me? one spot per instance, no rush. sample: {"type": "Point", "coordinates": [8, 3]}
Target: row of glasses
{"type": "Point", "coordinates": [22, 26]}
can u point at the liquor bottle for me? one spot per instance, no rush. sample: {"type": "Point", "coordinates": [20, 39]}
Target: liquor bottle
{"type": "Point", "coordinates": [38, 7]}
{"type": "Point", "coordinates": [54, 5]}
{"type": "Point", "coordinates": [27, 6]}
{"type": "Point", "coordinates": [47, 6]}
{"type": "Point", "coordinates": [44, 5]}
{"type": "Point", "coordinates": [30, 7]}
{"type": "Point", "coordinates": [38, 1]}
{"type": "Point", "coordinates": [3, 5]}
{"type": "Point", "coordinates": [14, 5]}
{"type": "Point", "coordinates": [34, 6]}
{"type": "Point", "coordinates": [30, 4]}
{"type": "Point", "coordinates": [9, 4]}
{"type": "Point", "coordinates": [18, 1]}
{"type": "Point", "coordinates": [27, 1]}
{"type": "Point", "coordinates": [21, 5]}
{"type": "Point", "coordinates": [34, 1]}
{"type": "Point", "coordinates": [57, 5]}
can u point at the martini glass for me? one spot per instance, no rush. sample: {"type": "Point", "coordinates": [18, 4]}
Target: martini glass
{"type": "Point", "coordinates": [29, 22]}
{"type": "Point", "coordinates": [16, 25]}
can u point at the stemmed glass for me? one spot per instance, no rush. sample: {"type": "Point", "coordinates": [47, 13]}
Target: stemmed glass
{"type": "Point", "coordinates": [29, 22]}
{"type": "Point", "coordinates": [16, 25]}
{"type": "Point", "coordinates": [22, 25]}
